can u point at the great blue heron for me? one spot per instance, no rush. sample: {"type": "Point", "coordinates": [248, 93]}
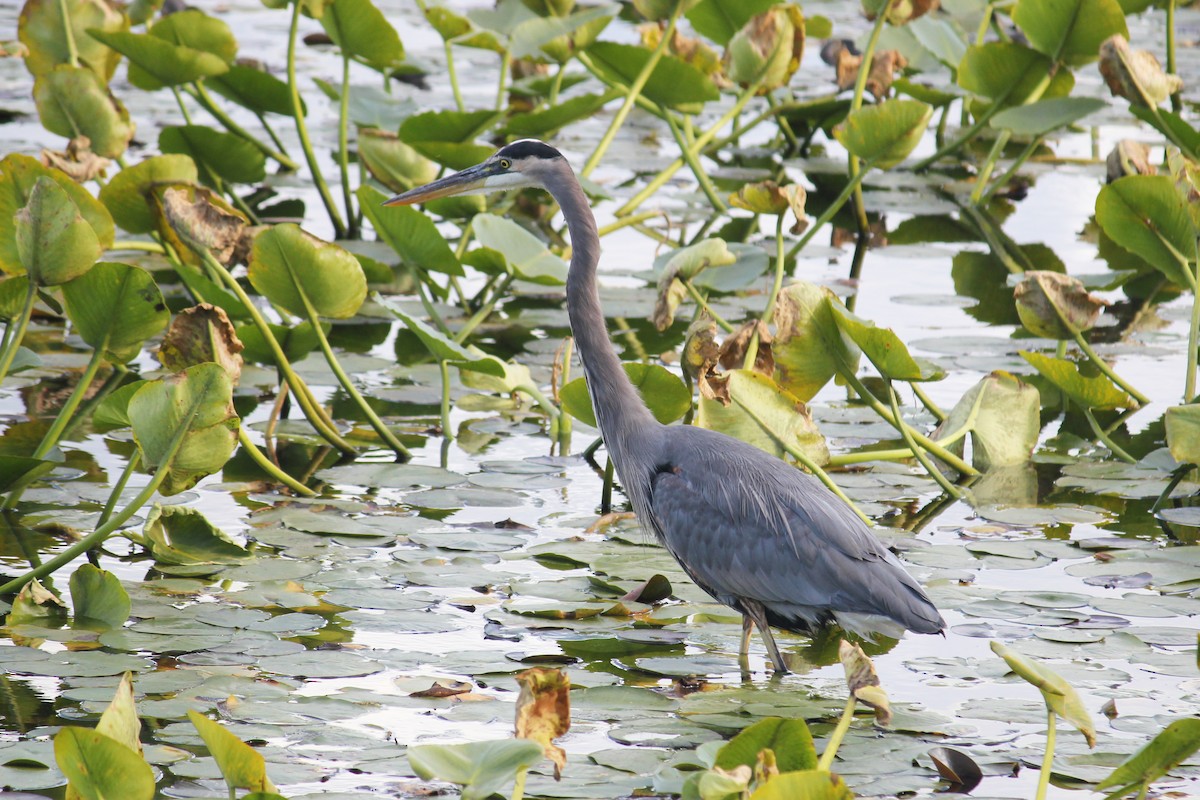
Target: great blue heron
{"type": "Point", "coordinates": [758, 535]}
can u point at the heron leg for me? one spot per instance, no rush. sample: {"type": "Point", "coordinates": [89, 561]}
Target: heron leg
{"type": "Point", "coordinates": [755, 611]}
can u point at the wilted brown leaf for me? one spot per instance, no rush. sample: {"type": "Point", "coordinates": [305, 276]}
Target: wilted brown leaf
{"type": "Point", "coordinates": [77, 160]}
{"type": "Point", "coordinates": [900, 11]}
{"type": "Point", "coordinates": [767, 49]}
{"type": "Point", "coordinates": [768, 197]}
{"type": "Point", "coordinates": [1135, 75]}
{"type": "Point", "coordinates": [732, 354]}
{"type": "Point", "coordinates": [670, 294]}
{"type": "Point", "coordinates": [689, 49]}
{"type": "Point", "coordinates": [1186, 174]}
{"type": "Point", "coordinates": [1054, 305]}
{"type": "Point", "coordinates": [194, 217]}
{"type": "Point", "coordinates": [700, 351]}
{"type": "Point", "coordinates": [199, 334]}
{"type": "Point", "coordinates": [863, 682]}
{"type": "Point", "coordinates": [544, 711]}
{"type": "Point", "coordinates": [444, 688]}
{"type": "Point", "coordinates": [1129, 158]}
{"type": "Point", "coordinates": [884, 68]}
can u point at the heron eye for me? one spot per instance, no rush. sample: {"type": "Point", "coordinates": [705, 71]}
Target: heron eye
{"type": "Point", "coordinates": [505, 163]}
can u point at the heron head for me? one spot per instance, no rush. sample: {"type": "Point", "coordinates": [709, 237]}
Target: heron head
{"type": "Point", "coordinates": [514, 166]}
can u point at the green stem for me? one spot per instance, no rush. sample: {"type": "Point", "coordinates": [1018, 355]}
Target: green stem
{"type": "Point", "coordinates": [702, 141]}
{"type": "Point", "coordinates": [453, 73]}
{"type": "Point", "coordinates": [201, 96]}
{"type": "Point", "coordinates": [129, 244]}
{"type": "Point", "coordinates": [68, 409]}
{"type": "Point", "coordinates": [780, 260]}
{"type": "Point", "coordinates": [270, 468]}
{"type": "Point", "coordinates": [485, 311]}
{"type": "Point", "coordinates": [606, 489]}
{"type": "Point", "coordinates": [1106, 439]}
{"type": "Point", "coordinates": [625, 222]}
{"type": "Point", "coordinates": [1175, 100]}
{"type": "Point", "coordinates": [1103, 366]}
{"type": "Point", "coordinates": [335, 218]}
{"type": "Point", "coordinates": [556, 86]}
{"type": "Point", "coordinates": [519, 784]}
{"type": "Point", "coordinates": [96, 537]}
{"type": "Point", "coordinates": [385, 433]}
{"type": "Point", "coordinates": [316, 416]}
{"type": "Point", "coordinates": [68, 34]}
{"type": "Point", "coordinates": [344, 149]}
{"type": "Point", "coordinates": [444, 368]}
{"type": "Point", "coordinates": [839, 733]}
{"type": "Point", "coordinates": [703, 303]}
{"type": "Point", "coordinates": [981, 180]}
{"type": "Point", "coordinates": [828, 213]}
{"type": "Point", "coordinates": [1004, 179]}
{"type": "Point", "coordinates": [187, 118]}
{"type": "Point", "coordinates": [505, 66]}
{"type": "Point", "coordinates": [905, 432]}
{"type": "Point", "coordinates": [1048, 759]}
{"type": "Point", "coordinates": [927, 401]}
{"type": "Point", "coordinates": [865, 456]}
{"type": "Point", "coordinates": [693, 162]}
{"type": "Point", "coordinates": [271, 133]}
{"type": "Point", "coordinates": [886, 413]}
{"type": "Point", "coordinates": [635, 91]}
{"type": "Point", "coordinates": [14, 342]}
{"type": "Point", "coordinates": [1189, 381]}
{"type": "Point", "coordinates": [860, 85]}
{"type": "Point", "coordinates": [119, 487]}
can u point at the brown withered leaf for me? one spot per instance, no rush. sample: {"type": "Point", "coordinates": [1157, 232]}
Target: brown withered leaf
{"type": "Point", "coordinates": [700, 351]}
{"type": "Point", "coordinates": [884, 68]}
{"type": "Point", "coordinates": [732, 354]}
{"type": "Point", "coordinates": [77, 160]}
{"type": "Point", "coordinates": [1056, 306]}
{"type": "Point", "coordinates": [1135, 75]}
{"type": "Point", "coordinates": [544, 711]}
{"type": "Point", "coordinates": [1129, 158]}
{"type": "Point", "coordinates": [197, 220]}
{"type": "Point", "coordinates": [654, 589]}
{"type": "Point", "coordinates": [1186, 174]}
{"type": "Point", "coordinates": [901, 12]}
{"type": "Point", "coordinates": [444, 688]}
{"type": "Point", "coordinates": [863, 682]}
{"type": "Point", "coordinates": [199, 334]}
{"type": "Point", "coordinates": [671, 293]}
{"type": "Point", "coordinates": [689, 49]}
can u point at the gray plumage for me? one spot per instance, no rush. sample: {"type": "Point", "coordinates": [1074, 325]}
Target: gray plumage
{"type": "Point", "coordinates": [754, 532]}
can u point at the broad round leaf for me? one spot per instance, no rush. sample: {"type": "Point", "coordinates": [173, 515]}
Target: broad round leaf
{"type": "Point", "coordinates": [663, 392]}
{"type": "Point", "coordinates": [1038, 119]}
{"type": "Point", "coordinates": [1160, 755]}
{"type": "Point", "coordinates": [1054, 305]}
{"type": "Point", "coordinates": [410, 233]}
{"type": "Point", "coordinates": [481, 768]}
{"type": "Point", "coordinates": [41, 29]}
{"type": "Point", "coordinates": [808, 785]}
{"type": "Point", "coordinates": [789, 739]}
{"type": "Point", "coordinates": [120, 720]}
{"type": "Point", "coordinates": [298, 271]}
{"type": "Point", "coordinates": [1004, 418]}
{"type": "Point", "coordinates": [73, 101]}
{"type": "Point", "coordinates": [768, 48]}
{"type": "Point", "coordinates": [18, 175]}
{"type": "Point", "coordinates": [97, 594]}
{"type": "Point", "coordinates": [115, 308]}
{"type": "Point", "coordinates": [183, 535]}
{"type": "Point", "coordinates": [720, 20]}
{"type": "Point", "coordinates": [448, 137]}
{"type": "Point", "coordinates": [255, 89]}
{"type": "Point", "coordinates": [1089, 391]}
{"type": "Point", "coordinates": [225, 155]}
{"type": "Point", "coordinates": [1183, 433]}
{"type": "Point", "coordinates": [884, 134]}
{"type": "Point", "coordinates": [527, 256]}
{"type": "Point", "coordinates": [200, 334]}
{"type": "Point", "coordinates": [1070, 31]}
{"type": "Point", "coordinates": [1059, 695]}
{"type": "Point", "coordinates": [54, 241]}
{"type": "Point", "coordinates": [196, 404]}
{"type": "Point", "coordinates": [242, 766]}
{"type": "Point", "coordinates": [884, 349]}
{"type": "Point", "coordinates": [100, 768]}
{"type": "Point", "coordinates": [1146, 216]}
{"type": "Point", "coordinates": [752, 407]}
{"type": "Point", "coordinates": [444, 348]}
{"type": "Point", "coordinates": [393, 163]}
{"type": "Point", "coordinates": [1007, 73]}
{"type": "Point", "coordinates": [673, 83]}
{"type": "Point", "coordinates": [809, 348]}
{"type": "Point", "coordinates": [156, 63]}
{"type": "Point", "coordinates": [192, 28]}
{"type": "Point", "coordinates": [127, 195]}
{"type": "Point", "coordinates": [361, 30]}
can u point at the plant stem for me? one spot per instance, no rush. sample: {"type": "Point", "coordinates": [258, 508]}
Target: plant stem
{"type": "Point", "coordinates": [556, 86]}
{"type": "Point", "coordinates": [268, 467]}
{"type": "Point", "coordinates": [1048, 759]}
{"type": "Point", "coordinates": [519, 785]}
{"type": "Point", "coordinates": [68, 34]}
{"type": "Point", "coordinates": [1106, 439]}
{"type": "Point", "coordinates": [68, 409]}
{"type": "Point", "coordinates": [1103, 366]}
{"type": "Point", "coordinates": [1175, 101]}
{"type": "Point", "coordinates": [485, 310]}
{"type": "Point", "coordinates": [505, 66]}
{"type": "Point", "coordinates": [703, 303]}
{"type": "Point", "coordinates": [864, 456]}
{"type": "Point", "coordinates": [981, 180]}
{"type": "Point", "coordinates": [625, 222]}
{"type": "Point", "coordinates": [453, 73]}
{"type": "Point", "coordinates": [635, 90]}
{"type": "Point", "coordinates": [828, 213]}
{"type": "Point", "coordinates": [839, 733]}
{"type": "Point", "coordinates": [119, 487]}
{"type": "Point", "coordinates": [187, 118]}
{"type": "Point", "coordinates": [101, 533]}
{"type": "Point", "coordinates": [886, 413]}
{"type": "Point", "coordinates": [1189, 380]}
{"type": "Point", "coordinates": [316, 416]}
{"type": "Point", "coordinates": [201, 96]}
{"type": "Point", "coordinates": [385, 433]}
{"type": "Point", "coordinates": [14, 342]}
{"type": "Point", "coordinates": [927, 401]}
{"type": "Point", "coordinates": [693, 162]}
{"type": "Point", "coordinates": [752, 348]}
{"type": "Point", "coordinates": [607, 489]}
{"type": "Point", "coordinates": [905, 432]}
{"type": "Point", "coordinates": [344, 149]}
{"type": "Point", "coordinates": [702, 141]}
{"type": "Point", "coordinates": [860, 85]}
{"type": "Point", "coordinates": [444, 368]}
{"type": "Point", "coordinates": [1019, 162]}
{"type": "Point", "coordinates": [335, 218]}
{"type": "Point", "coordinates": [128, 244]}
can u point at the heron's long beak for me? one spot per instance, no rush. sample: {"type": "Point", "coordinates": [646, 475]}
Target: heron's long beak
{"type": "Point", "coordinates": [469, 180]}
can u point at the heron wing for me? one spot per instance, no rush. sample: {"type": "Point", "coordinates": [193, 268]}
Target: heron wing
{"type": "Point", "coordinates": [745, 525]}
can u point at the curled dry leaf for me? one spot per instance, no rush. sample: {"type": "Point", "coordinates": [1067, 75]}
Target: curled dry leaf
{"type": "Point", "coordinates": [956, 768]}
{"type": "Point", "coordinates": [654, 589]}
{"type": "Point", "coordinates": [732, 354]}
{"type": "Point", "coordinates": [700, 350]}
{"type": "Point", "coordinates": [444, 688]}
{"type": "Point", "coordinates": [686, 264]}
{"type": "Point", "coordinates": [1129, 158]}
{"type": "Point", "coordinates": [544, 711]}
{"type": "Point", "coordinates": [199, 334]}
{"type": "Point", "coordinates": [1060, 697]}
{"type": "Point", "coordinates": [670, 294]}
{"type": "Point", "coordinates": [77, 160]}
{"type": "Point", "coordinates": [1056, 306]}
{"type": "Point", "coordinates": [1109, 709]}
{"type": "Point", "coordinates": [1186, 174]}
{"type": "Point", "coordinates": [767, 49]}
{"type": "Point", "coordinates": [884, 67]}
{"type": "Point", "coordinates": [201, 224]}
{"type": "Point", "coordinates": [689, 49]}
{"type": "Point", "coordinates": [1135, 75]}
{"type": "Point", "coordinates": [768, 197]}
{"type": "Point", "coordinates": [863, 682]}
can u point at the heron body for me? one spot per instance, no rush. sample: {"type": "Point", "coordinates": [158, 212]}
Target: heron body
{"type": "Point", "coordinates": [757, 534]}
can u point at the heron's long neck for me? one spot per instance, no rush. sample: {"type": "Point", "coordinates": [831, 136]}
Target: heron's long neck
{"type": "Point", "coordinates": [620, 412]}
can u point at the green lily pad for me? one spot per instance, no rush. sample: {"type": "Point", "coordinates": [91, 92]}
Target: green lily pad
{"type": "Point", "coordinates": [115, 308]}
{"type": "Point", "coordinates": [73, 101]}
{"type": "Point", "coordinates": [883, 135]}
{"type": "Point", "coordinates": [664, 394]}
{"type": "Point", "coordinates": [410, 233]}
{"type": "Point", "coordinates": [1090, 391]}
{"type": "Point", "coordinates": [300, 272]}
